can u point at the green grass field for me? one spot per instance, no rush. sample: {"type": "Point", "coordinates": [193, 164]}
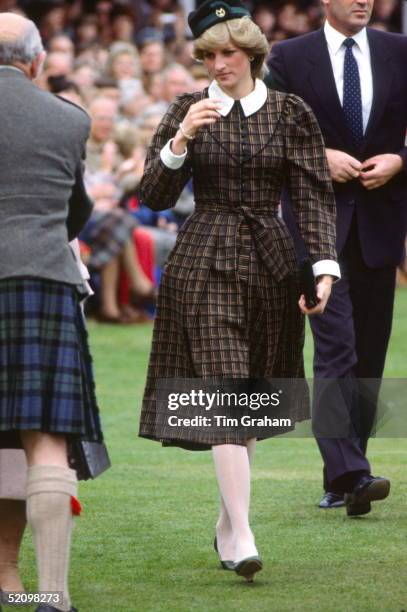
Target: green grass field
{"type": "Point", "coordinates": [144, 541]}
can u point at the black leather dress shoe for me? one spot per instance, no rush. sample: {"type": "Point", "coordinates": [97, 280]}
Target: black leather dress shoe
{"type": "Point", "coordinates": [368, 489]}
{"type": "Point", "coordinates": [47, 608]}
{"type": "Point", "coordinates": [331, 500]}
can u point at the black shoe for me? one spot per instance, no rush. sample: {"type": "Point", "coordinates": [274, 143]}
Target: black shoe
{"type": "Point", "coordinates": [248, 567]}
{"type": "Point", "coordinates": [369, 488]}
{"type": "Point", "coordinates": [226, 565]}
{"type": "Point", "coordinates": [331, 500]}
{"type": "Point", "coordinates": [47, 608]}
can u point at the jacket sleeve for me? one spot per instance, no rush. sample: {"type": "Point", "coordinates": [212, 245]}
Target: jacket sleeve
{"type": "Point", "coordinates": [308, 180]}
{"type": "Point", "coordinates": [80, 205]}
{"type": "Point", "coordinates": [161, 186]}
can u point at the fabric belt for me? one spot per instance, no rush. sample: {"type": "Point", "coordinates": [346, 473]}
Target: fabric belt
{"type": "Point", "coordinates": [234, 210]}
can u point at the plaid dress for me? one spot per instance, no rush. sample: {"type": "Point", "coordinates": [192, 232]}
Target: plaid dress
{"type": "Point", "coordinates": [228, 298]}
{"type": "Point", "coordinates": [46, 381]}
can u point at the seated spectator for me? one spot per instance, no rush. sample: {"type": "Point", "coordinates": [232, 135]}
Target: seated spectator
{"type": "Point", "coordinates": [168, 17]}
{"type": "Point", "coordinates": [56, 64]}
{"type": "Point", "coordinates": [84, 75]}
{"type": "Point", "coordinates": [123, 64]}
{"type": "Point", "coordinates": [176, 80]}
{"type": "Point", "coordinates": [61, 43]}
{"type": "Point", "coordinates": [109, 232]}
{"type": "Point", "coordinates": [182, 53]}
{"type": "Point", "coordinates": [132, 145]}
{"type": "Point", "coordinates": [152, 54]}
{"type": "Point", "coordinates": [291, 21]}
{"type": "Point", "coordinates": [123, 23]}
{"type": "Point", "coordinates": [86, 32]}
{"type": "Point", "coordinates": [265, 17]}
{"type": "Point", "coordinates": [52, 20]}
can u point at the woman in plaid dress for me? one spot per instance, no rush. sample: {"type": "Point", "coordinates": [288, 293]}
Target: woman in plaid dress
{"type": "Point", "coordinates": [228, 306]}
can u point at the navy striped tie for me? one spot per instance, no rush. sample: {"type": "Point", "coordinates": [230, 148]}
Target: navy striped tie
{"type": "Point", "coordinates": [352, 98]}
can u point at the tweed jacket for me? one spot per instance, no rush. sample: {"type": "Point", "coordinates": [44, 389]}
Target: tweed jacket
{"type": "Point", "coordinates": [238, 167]}
{"type": "Point", "coordinates": [43, 203]}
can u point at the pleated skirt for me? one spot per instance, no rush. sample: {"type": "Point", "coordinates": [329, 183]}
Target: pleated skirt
{"type": "Point", "coordinates": [46, 377]}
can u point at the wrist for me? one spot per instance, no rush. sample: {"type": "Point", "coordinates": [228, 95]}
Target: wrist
{"type": "Point", "coordinates": [179, 144]}
{"type": "Point", "coordinates": [187, 135]}
{"type": "Point", "coordinates": [399, 162]}
{"type": "Point", "coordinates": [325, 278]}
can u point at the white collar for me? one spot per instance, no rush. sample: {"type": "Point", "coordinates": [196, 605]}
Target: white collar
{"type": "Point", "coordinates": [250, 103]}
{"type": "Point", "coordinates": [335, 39]}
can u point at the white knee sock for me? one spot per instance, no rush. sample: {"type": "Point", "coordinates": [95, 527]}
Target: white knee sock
{"type": "Point", "coordinates": [49, 491]}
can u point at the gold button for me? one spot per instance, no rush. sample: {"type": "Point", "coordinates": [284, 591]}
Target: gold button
{"type": "Point", "coordinates": [220, 12]}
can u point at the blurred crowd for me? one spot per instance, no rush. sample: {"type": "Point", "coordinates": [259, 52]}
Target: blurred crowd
{"type": "Point", "coordinates": [124, 62]}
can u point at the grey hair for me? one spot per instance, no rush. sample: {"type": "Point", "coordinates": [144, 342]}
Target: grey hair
{"type": "Point", "coordinates": [172, 68]}
{"type": "Point", "coordinates": [27, 47]}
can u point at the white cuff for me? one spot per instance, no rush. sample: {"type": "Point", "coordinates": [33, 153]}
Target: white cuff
{"type": "Point", "coordinates": [327, 266]}
{"type": "Point", "coordinates": [170, 159]}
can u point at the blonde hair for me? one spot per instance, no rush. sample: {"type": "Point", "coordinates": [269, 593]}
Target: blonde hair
{"type": "Point", "coordinates": [243, 33]}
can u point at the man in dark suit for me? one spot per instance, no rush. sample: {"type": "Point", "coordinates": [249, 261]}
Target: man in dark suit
{"type": "Point", "coordinates": [354, 79]}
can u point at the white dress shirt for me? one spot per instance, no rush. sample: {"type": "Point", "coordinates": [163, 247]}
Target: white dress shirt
{"type": "Point", "coordinates": [250, 105]}
{"type": "Point", "coordinates": [361, 54]}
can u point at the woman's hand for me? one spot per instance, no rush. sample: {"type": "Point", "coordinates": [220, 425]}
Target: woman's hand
{"type": "Point", "coordinates": [204, 112]}
{"type": "Point", "coordinates": [323, 289]}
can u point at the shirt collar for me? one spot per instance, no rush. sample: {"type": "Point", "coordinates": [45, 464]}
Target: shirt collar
{"type": "Point", "coordinates": [335, 39]}
{"type": "Point", "coordinates": [250, 103]}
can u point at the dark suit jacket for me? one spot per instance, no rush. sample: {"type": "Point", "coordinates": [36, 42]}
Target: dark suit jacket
{"type": "Point", "coordinates": [43, 203]}
{"type": "Point", "coordinates": [302, 66]}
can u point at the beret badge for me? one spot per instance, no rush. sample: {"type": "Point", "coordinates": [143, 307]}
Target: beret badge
{"type": "Point", "coordinates": [220, 12]}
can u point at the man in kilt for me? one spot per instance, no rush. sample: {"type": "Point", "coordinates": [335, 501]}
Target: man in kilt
{"type": "Point", "coordinates": [46, 388]}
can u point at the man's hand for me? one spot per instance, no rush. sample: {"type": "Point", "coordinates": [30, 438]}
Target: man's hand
{"type": "Point", "coordinates": [323, 289]}
{"type": "Point", "coordinates": [343, 167]}
{"type": "Point", "coordinates": [378, 170]}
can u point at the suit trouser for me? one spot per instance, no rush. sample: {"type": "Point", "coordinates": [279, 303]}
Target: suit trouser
{"type": "Point", "coordinates": [351, 340]}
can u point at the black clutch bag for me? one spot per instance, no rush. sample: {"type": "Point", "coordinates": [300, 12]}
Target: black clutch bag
{"type": "Point", "coordinates": [307, 283]}
{"type": "Point", "coordinates": [88, 459]}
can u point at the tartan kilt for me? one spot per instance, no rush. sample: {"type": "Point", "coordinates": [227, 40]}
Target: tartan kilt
{"type": "Point", "coordinates": [46, 379]}
{"type": "Point", "coordinates": [106, 233]}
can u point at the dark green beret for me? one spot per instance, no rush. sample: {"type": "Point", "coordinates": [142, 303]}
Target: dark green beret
{"type": "Point", "coordinates": [211, 12]}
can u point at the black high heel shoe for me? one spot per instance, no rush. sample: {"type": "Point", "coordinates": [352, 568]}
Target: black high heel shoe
{"type": "Point", "coordinates": [226, 565]}
{"type": "Point", "coordinates": [248, 567]}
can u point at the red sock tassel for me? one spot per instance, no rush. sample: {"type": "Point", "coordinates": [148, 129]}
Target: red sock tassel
{"type": "Point", "coordinates": [75, 506]}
